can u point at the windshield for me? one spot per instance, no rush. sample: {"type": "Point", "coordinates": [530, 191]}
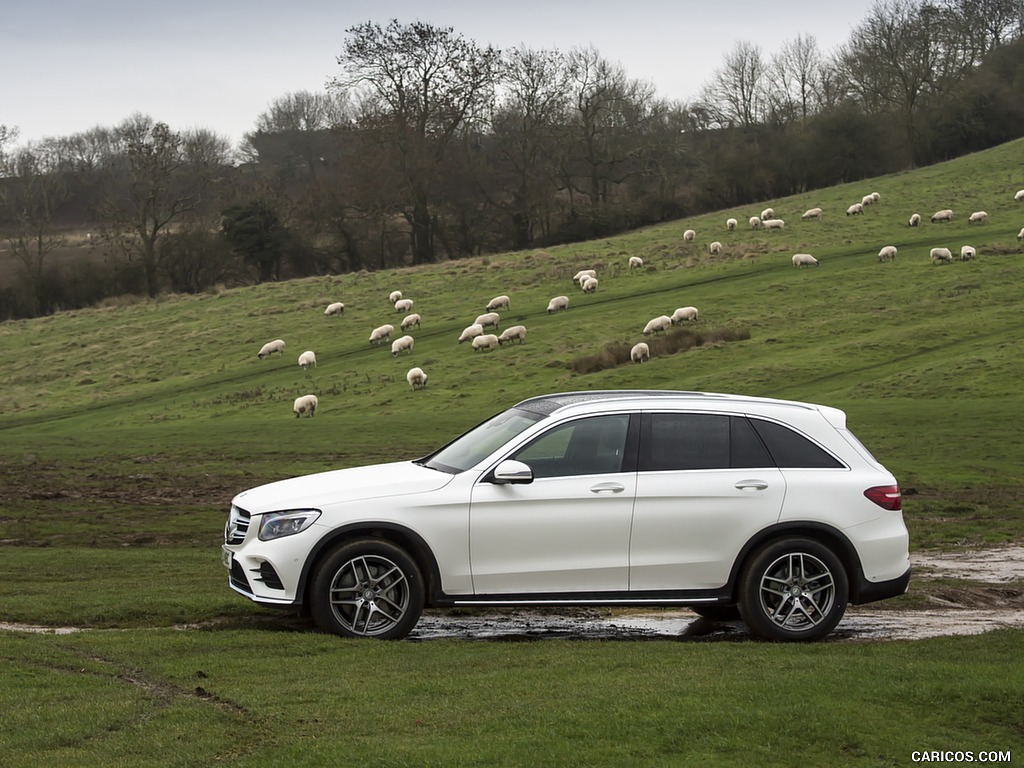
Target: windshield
{"type": "Point", "coordinates": [481, 441]}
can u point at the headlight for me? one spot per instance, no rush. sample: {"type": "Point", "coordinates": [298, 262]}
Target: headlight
{"type": "Point", "coordinates": [278, 524]}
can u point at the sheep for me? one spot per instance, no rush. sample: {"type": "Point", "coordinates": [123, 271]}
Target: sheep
{"type": "Point", "coordinates": [488, 341]}
{"type": "Point", "coordinates": [410, 321]}
{"type": "Point", "coordinates": [684, 313]}
{"type": "Point", "coordinates": [511, 334]}
{"type": "Point", "coordinates": [978, 217]}
{"type": "Point", "coordinates": [470, 332]}
{"type": "Point", "coordinates": [875, 197]}
{"type": "Point", "coordinates": [382, 333]}
{"type": "Point", "coordinates": [635, 262]}
{"type": "Point", "coordinates": [337, 308]}
{"type": "Point", "coordinates": [582, 275]}
{"type": "Point", "coordinates": [1020, 235]}
{"type": "Point", "coordinates": [491, 318]}
{"type": "Point", "coordinates": [688, 235]}
{"type": "Point", "coordinates": [394, 296]}
{"type": "Point", "coordinates": [305, 404]}
{"type": "Point", "coordinates": [662, 324]}
{"type": "Point", "coordinates": [498, 302]}
{"type": "Point", "coordinates": [944, 215]}
{"type": "Point", "coordinates": [403, 305]}
{"type": "Point", "coordinates": [715, 248]}
{"type": "Point", "coordinates": [888, 253]}
{"type": "Point", "coordinates": [773, 224]}
{"type": "Point", "coordinates": [558, 303]}
{"type": "Point", "coordinates": [804, 260]}
{"type": "Point", "coordinates": [811, 213]}
{"type": "Point", "coordinates": [417, 378]}
{"type": "Point", "coordinates": [767, 213]}
{"type": "Point", "coordinates": [855, 209]}
{"type": "Point", "coordinates": [307, 359]}
{"type": "Point", "coordinates": [640, 352]}
{"type": "Point", "coordinates": [590, 285]}
{"type": "Point", "coordinates": [755, 222]}
{"type": "Point", "coordinates": [1019, 197]}
{"type": "Point", "coordinates": [403, 344]}
{"type": "Point", "coordinates": [270, 347]}
{"type": "Point", "coordinates": [915, 220]}
{"type": "Point", "coordinates": [941, 254]}
{"type": "Point", "coordinates": [867, 200]}
{"type": "Point", "coordinates": [730, 224]}
{"type": "Point", "coordinates": [967, 252]}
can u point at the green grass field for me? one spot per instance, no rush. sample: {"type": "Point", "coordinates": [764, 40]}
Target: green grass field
{"type": "Point", "coordinates": [125, 431]}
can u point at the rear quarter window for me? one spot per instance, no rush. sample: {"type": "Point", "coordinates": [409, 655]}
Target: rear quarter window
{"type": "Point", "coordinates": [793, 450]}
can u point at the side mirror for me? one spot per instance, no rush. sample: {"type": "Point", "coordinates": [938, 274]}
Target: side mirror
{"type": "Point", "coordinates": [511, 472]}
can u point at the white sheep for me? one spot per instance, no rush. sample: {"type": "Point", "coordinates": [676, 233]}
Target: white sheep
{"type": "Point", "coordinates": [731, 224]}
{"type": "Point", "coordinates": [490, 318]}
{"type": "Point", "coordinates": [967, 252]}
{"type": "Point", "coordinates": [887, 253]}
{"type": "Point", "coordinates": [811, 213]}
{"type": "Point", "coordinates": [944, 215]}
{"type": "Point", "coordinates": [403, 305]}
{"type": "Point", "coordinates": [590, 285]}
{"type": "Point", "coordinates": [875, 197]}
{"type": "Point", "coordinates": [307, 359]}
{"type": "Point", "coordinates": [410, 321]}
{"type": "Point", "coordinates": [715, 248]}
{"type": "Point", "coordinates": [773, 224]}
{"type": "Point", "coordinates": [394, 296]}
{"type": "Point", "coordinates": [270, 347]}
{"type": "Point", "coordinates": [867, 200]}
{"type": "Point", "coordinates": [1020, 235]}
{"type": "Point", "coordinates": [855, 209]}
{"type": "Point", "coordinates": [403, 344]}
{"type": "Point", "coordinates": [978, 217]}
{"type": "Point", "coordinates": [688, 235]}
{"type": "Point", "coordinates": [804, 260]}
{"type": "Point", "coordinates": [470, 332]}
{"type": "Point", "coordinates": [488, 341]}
{"type": "Point", "coordinates": [1019, 197]}
{"type": "Point", "coordinates": [635, 262]}
{"type": "Point", "coordinates": [684, 313]}
{"type": "Point", "coordinates": [662, 324]}
{"type": "Point", "coordinates": [498, 302]}
{"type": "Point", "coordinates": [640, 352]}
{"type": "Point", "coordinates": [306, 404]}
{"type": "Point", "coordinates": [417, 378]}
{"type": "Point", "coordinates": [558, 303]}
{"type": "Point", "coordinates": [915, 220]}
{"type": "Point", "coordinates": [941, 254]}
{"type": "Point", "coordinates": [511, 334]}
{"type": "Point", "coordinates": [337, 308]}
{"type": "Point", "coordinates": [582, 275]}
{"type": "Point", "coordinates": [767, 213]}
{"type": "Point", "coordinates": [755, 222]}
{"type": "Point", "coordinates": [381, 333]}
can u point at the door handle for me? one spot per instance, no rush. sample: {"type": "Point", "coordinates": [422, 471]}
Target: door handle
{"type": "Point", "coordinates": [608, 488]}
{"type": "Point", "coordinates": [751, 485]}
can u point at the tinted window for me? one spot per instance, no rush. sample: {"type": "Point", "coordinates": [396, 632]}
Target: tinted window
{"type": "Point", "coordinates": [684, 441]}
{"type": "Point", "coordinates": [746, 449]}
{"type": "Point", "coordinates": [790, 449]}
{"type": "Point", "coordinates": [584, 447]}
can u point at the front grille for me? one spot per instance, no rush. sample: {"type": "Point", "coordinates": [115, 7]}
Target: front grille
{"type": "Point", "coordinates": [237, 525]}
{"type": "Point", "coordinates": [268, 575]}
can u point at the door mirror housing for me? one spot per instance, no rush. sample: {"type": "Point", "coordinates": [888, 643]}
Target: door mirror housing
{"type": "Point", "coordinates": [511, 472]}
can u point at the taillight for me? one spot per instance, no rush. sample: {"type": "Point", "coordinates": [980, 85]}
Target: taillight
{"type": "Point", "coordinates": [886, 496]}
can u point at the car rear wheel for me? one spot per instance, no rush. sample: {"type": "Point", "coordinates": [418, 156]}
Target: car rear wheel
{"type": "Point", "coordinates": [794, 589]}
{"type": "Point", "coordinates": [367, 588]}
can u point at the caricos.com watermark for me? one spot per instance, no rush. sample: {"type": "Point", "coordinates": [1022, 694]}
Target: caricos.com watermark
{"type": "Point", "coordinates": [960, 756]}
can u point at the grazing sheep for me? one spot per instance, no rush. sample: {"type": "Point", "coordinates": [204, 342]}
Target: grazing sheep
{"type": "Point", "coordinates": [915, 219]}
{"type": "Point", "coordinates": [967, 252]}
{"type": "Point", "coordinates": [944, 215]}
{"type": "Point", "coordinates": [773, 224]}
{"type": "Point", "coordinates": [417, 378]}
{"type": "Point", "coordinates": [270, 347]}
{"type": "Point", "coordinates": [582, 275]}
{"type": "Point", "coordinates": [488, 341]}
{"type": "Point", "coordinates": [688, 235]}
{"type": "Point", "coordinates": [662, 324]}
{"type": "Point", "coordinates": [1020, 235]}
{"type": "Point", "coordinates": [812, 213]}
{"type": "Point", "coordinates": [767, 213]}
{"type": "Point", "coordinates": [498, 302]}
{"type": "Point", "coordinates": [684, 313]}
{"type": "Point", "coordinates": [1019, 197]}
{"type": "Point", "coordinates": [941, 254]}
{"type": "Point", "coordinates": [640, 352]}
{"type": "Point", "coordinates": [410, 321]}
{"type": "Point", "coordinates": [867, 200]}
{"type": "Point", "coordinates": [394, 296]}
{"type": "Point", "coordinates": [382, 333]}
{"type": "Point", "coordinates": [337, 308]}
{"type": "Point", "coordinates": [557, 303]}
{"type": "Point", "coordinates": [403, 305]}
{"type": "Point", "coordinates": [305, 405]}
{"type": "Point", "coordinates": [755, 222]}
{"type": "Point", "coordinates": [715, 248]}
{"type": "Point", "coordinates": [888, 253]}
{"type": "Point", "coordinates": [635, 262]}
{"type": "Point", "coordinates": [875, 197]}
{"type": "Point", "coordinates": [804, 260]}
{"type": "Point", "coordinates": [307, 359]}
{"type": "Point", "coordinates": [978, 217]}
{"type": "Point", "coordinates": [855, 209]}
{"type": "Point", "coordinates": [403, 344]}
{"type": "Point", "coordinates": [471, 332]}
{"type": "Point", "coordinates": [730, 224]}
{"type": "Point", "coordinates": [590, 285]}
{"type": "Point", "coordinates": [491, 318]}
{"type": "Point", "coordinates": [511, 334]}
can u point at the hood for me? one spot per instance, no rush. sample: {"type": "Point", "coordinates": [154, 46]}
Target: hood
{"type": "Point", "coordinates": [342, 485]}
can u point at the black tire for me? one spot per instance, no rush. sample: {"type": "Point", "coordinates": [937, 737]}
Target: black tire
{"type": "Point", "coordinates": [367, 588]}
{"type": "Point", "coordinates": [793, 590]}
{"type": "Point", "coordinates": [717, 612]}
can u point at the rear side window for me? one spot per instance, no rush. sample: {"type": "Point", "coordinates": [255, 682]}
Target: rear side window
{"type": "Point", "coordinates": [681, 441]}
{"type": "Point", "coordinates": [790, 449]}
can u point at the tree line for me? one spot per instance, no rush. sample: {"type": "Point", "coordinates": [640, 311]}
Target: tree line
{"type": "Point", "coordinates": [428, 146]}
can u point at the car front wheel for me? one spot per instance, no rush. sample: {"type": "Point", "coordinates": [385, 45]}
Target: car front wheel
{"type": "Point", "coordinates": [794, 589]}
{"type": "Point", "coordinates": [367, 588]}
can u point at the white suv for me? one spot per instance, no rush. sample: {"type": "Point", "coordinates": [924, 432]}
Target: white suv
{"type": "Point", "coordinates": [768, 510]}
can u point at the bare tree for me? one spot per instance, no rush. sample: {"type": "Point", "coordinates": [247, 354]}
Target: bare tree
{"type": "Point", "coordinates": [797, 72]}
{"type": "Point", "coordinates": [735, 94]}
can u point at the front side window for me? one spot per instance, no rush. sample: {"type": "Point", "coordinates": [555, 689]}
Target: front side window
{"type": "Point", "coordinates": [588, 446]}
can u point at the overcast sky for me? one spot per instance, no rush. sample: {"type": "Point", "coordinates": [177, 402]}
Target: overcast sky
{"type": "Point", "coordinates": [218, 64]}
